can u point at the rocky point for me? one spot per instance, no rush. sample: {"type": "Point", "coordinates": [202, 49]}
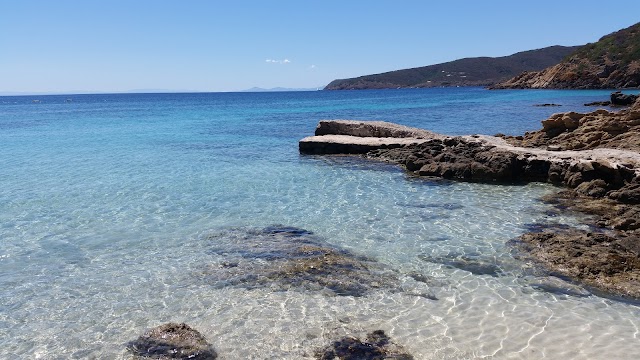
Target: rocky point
{"type": "Point", "coordinates": [595, 156]}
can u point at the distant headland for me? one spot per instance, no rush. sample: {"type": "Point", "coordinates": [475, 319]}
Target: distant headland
{"type": "Point", "coordinates": [477, 71]}
{"type": "Point", "coordinates": [613, 62]}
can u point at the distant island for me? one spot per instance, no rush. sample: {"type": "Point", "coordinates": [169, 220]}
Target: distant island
{"type": "Point", "coordinates": [611, 63]}
{"type": "Point", "coordinates": [479, 71]}
{"type": "Point", "coordinates": [276, 89]}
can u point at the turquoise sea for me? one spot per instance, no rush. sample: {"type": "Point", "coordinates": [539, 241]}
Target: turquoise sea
{"type": "Point", "coordinates": [112, 207]}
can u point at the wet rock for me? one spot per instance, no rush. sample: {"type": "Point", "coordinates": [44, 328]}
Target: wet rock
{"type": "Point", "coordinates": [546, 105]}
{"type": "Point", "coordinates": [347, 144]}
{"type": "Point", "coordinates": [608, 212]}
{"type": "Point", "coordinates": [172, 341]}
{"type": "Point", "coordinates": [629, 193]}
{"type": "Point", "coordinates": [541, 226]}
{"type": "Point", "coordinates": [594, 188]}
{"type": "Point", "coordinates": [618, 98]}
{"type": "Point", "coordinates": [606, 263]}
{"type": "Point", "coordinates": [598, 103]}
{"type": "Point", "coordinates": [376, 346]}
{"type": "Point", "coordinates": [461, 159]}
{"type": "Point", "coordinates": [288, 258]}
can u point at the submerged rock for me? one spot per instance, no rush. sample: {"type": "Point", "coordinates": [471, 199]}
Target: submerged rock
{"type": "Point", "coordinates": [608, 264]}
{"type": "Point", "coordinates": [557, 286]}
{"type": "Point", "coordinates": [473, 265]}
{"type": "Point", "coordinates": [376, 346]}
{"type": "Point", "coordinates": [287, 258]}
{"type": "Point", "coordinates": [607, 212]}
{"type": "Point", "coordinates": [443, 206]}
{"type": "Point", "coordinates": [172, 341]}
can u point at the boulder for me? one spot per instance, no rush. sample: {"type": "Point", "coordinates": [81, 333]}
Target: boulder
{"type": "Point", "coordinates": [571, 120]}
{"type": "Point", "coordinates": [172, 341]}
{"type": "Point", "coordinates": [618, 98]}
{"type": "Point", "coordinates": [553, 122]}
{"type": "Point", "coordinates": [376, 346]}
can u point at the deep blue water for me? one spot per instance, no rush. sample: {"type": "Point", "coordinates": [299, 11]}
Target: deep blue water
{"type": "Point", "coordinates": [108, 203]}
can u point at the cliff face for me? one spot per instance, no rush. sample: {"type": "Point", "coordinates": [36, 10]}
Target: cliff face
{"type": "Point", "coordinates": [481, 71]}
{"type": "Point", "coordinates": [611, 63]}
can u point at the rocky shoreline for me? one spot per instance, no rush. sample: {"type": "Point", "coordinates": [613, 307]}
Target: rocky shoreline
{"type": "Point", "coordinates": [594, 156]}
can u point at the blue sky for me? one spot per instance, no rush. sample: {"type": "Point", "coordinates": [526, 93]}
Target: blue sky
{"type": "Point", "coordinates": [193, 45]}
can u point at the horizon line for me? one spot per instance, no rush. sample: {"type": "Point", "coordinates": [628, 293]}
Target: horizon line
{"type": "Point", "coordinates": [154, 91]}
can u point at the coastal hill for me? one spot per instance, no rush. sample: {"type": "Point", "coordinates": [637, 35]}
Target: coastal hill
{"type": "Point", "coordinates": [611, 63]}
{"type": "Point", "coordinates": [479, 71]}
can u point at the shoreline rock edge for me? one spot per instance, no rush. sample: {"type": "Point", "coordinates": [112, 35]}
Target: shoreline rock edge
{"type": "Point", "coordinates": [601, 178]}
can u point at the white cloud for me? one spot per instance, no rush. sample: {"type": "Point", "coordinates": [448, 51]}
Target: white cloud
{"type": "Point", "coordinates": [284, 61]}
{"type": "Point", "coordinates": [312, 67]}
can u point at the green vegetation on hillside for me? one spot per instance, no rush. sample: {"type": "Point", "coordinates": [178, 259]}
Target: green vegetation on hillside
{"type": "Point", "coordinates": [480, 71]}
{"type": "Point", "coordinates": [611, 63]}
{"type": "Point", "coordinates": [622, 46]}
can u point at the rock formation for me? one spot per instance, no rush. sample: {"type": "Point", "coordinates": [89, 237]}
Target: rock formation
{"type": "Point", "coordinates": [611, 63]}
{"type": "Point", "coordinates": [359, 137]}
{"type": "Point", "coordinates": [376, 346]}
{"type": "Point", "coordinates": [594, 130]}
{"type": "Point", "coordinates": [607, 263]}
{"type": "Point", "coordinates": [172, 341]}
{"type": "Point", "coordinates": [570, 149]}
{"type": "Point", "coordinates": [618, 98]}
{"type": "Point", "coordinates": [595, 155]}
{"type": "Point", "coordinates": [288, 258]}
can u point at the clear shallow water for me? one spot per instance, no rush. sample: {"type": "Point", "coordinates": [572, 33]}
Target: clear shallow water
{"type": "Point", "coordinates": [107, 203]}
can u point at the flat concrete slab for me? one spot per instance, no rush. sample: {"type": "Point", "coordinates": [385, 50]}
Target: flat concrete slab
{"type": "Point", "coordinates": [347, 144]}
